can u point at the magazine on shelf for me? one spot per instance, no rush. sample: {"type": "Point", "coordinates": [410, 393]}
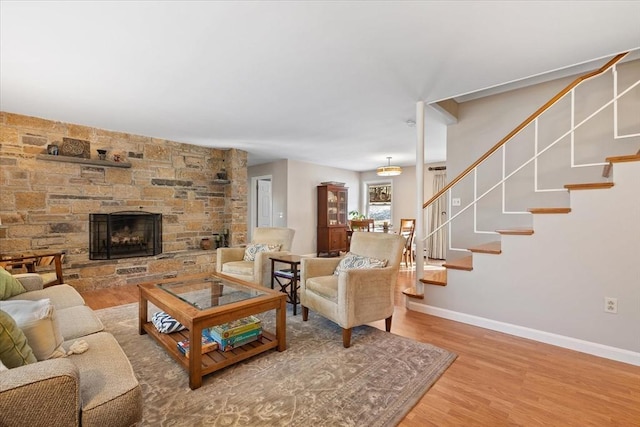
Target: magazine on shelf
{"type": "Point", "coordinates": [287, 272]}
{"type": "Point", "coordinates": [240, 340]}
{"type": "Point", "coordinates": [234, 327]}
{"type": "Point", "coordinates": [208, 344]}
{"type": "Point", "coordinates": [232, 341]}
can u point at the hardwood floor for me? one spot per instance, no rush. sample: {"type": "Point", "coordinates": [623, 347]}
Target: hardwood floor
{"type": "Point", "coordinates": [498, 379]}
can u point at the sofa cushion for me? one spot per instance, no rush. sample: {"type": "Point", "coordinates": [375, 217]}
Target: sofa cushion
{"type": "Point", "coordinates": [238, 267]}
{"type": "Point", "coordinates": [252, 249]}
{"type": "Point", "coordinates": [355, 261]}
{"type": "Point", "coordinates": [325, 286]}
{"type": "Point", "coordinates": [9, 285]}
{"type": "Point", "coordinates": [61, 296]}
{"type": "Point", "coordinates": [78, 321]}
{"type": "Point", "coordinates": [14, 349]}
{"type": "Point", "coordinates": [109, 390]}
{"type": "Point", "coordinates": [39, 323]}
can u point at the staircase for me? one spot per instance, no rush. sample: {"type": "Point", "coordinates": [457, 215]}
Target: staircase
{"type": "Point", "coordinates": [465, 263]}
{"type": "Point", "coordinates": [481, 293]}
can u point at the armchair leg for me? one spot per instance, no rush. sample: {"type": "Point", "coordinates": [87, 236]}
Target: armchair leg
{"type": "Point", "coordinates": [346, 337]}
{"type": "Point", "coordinates": [387, 323]}
{"type": "Point", "coordinates": [305, 313]}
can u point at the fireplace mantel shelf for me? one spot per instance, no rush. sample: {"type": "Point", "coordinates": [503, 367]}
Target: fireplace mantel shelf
{"type": "Point", "coordinates": [94, 162]}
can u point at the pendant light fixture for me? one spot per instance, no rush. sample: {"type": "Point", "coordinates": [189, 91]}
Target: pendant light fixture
{"type": "Point", "coordinates": [389, 170]}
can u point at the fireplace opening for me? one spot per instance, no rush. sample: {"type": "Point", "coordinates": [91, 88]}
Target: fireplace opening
{"type": "Point", "coordinates": [124, 234]}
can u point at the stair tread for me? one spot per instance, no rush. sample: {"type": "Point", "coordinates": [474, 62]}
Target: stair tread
{"type": "Point", "coordinates": [549, 210]}
{"type": "Point", "coordinates": [437, 277]}
{"type": "Point", "coordinates": [589, 186]}
{"type": "Point", "coordinates": [413, 293]}
{"type": "Point", "coordinates": [516, 231]}
{"type": "Point", "coordinates": [464, 263]}
{"type": "Point", "coordinates": [488, 248]}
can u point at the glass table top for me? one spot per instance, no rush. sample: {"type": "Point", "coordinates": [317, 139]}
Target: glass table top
{"type": "Point", "coordinates": [209, 292]}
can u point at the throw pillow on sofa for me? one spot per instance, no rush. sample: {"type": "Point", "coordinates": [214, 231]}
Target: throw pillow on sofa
{"type": "Point", "coordinates": [39, 323]}
{"type": "Point", "coordinates": [252, 249]}
{"type": "Point", "coordinates": [14, 349]}
{"type": "Point", "coordinates": [354, 261]}
{"type": "Point", "coordinates": [9, 285]}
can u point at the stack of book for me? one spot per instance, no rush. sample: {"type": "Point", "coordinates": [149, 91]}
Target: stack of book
{"type": "Point", "coordinates": [236, 333]}
{"type": "Point", "coordinates": [208, 345]}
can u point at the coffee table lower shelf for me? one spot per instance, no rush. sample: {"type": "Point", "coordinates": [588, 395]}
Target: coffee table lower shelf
{"type": "Point", "coordinates": [213, 360]}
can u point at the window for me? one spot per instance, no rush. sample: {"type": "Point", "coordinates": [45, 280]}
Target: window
{"type": "Point", "coordinates": [379, 203]}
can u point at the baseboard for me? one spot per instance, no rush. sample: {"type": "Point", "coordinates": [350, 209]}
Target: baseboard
{"type": "Point", "coordinates": [600, 350]}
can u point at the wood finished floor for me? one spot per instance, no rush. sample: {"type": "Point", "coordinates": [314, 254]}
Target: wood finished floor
{"type": "Point", "coordinates": [498, 379]}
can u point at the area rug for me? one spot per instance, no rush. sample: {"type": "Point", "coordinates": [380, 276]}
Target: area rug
{"type": "Point", "coordinates": [315, 382]}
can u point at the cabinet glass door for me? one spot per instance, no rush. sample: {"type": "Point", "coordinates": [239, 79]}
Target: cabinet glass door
{"type": "Point", "coordinates": [332, 207]}
{"type": "Point", "coordinates": [342, 208]}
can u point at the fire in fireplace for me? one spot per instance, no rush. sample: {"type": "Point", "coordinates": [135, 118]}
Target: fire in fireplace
{"type": "Point", "coordinates": [124, 235]}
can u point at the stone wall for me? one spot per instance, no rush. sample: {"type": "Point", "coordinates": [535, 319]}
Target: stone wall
{"type": "Point", "coordinates": [45, 205]}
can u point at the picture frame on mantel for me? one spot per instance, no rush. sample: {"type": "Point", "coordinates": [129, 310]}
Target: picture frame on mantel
{"type": "Point", "coordinates": [72, 147]}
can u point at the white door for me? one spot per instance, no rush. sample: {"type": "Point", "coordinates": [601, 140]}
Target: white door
{"type": "Point", "coordinates": [264, 203]}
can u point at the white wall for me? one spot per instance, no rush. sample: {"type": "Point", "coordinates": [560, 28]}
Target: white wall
{"type": "Point", "coordinates": [551, 286]}
{"type": "Point", "coordinates": [294, 193]}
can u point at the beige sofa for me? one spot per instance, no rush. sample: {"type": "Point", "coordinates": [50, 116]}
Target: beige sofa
{"type": "Point", "coordinates": [94, 388]}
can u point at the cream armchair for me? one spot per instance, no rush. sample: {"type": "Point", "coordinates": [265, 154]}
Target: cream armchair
{"type": "Point", "coordinates": [230, 261]}
{"type": "Point", "coordinates": [355, 296]}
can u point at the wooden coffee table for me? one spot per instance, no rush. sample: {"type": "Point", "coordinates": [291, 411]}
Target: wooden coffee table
{"type": "Point", "coordinates": [204, 300]}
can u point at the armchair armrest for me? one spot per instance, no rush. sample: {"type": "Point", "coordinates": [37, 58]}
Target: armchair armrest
{"type": "Point", "coordinates": [262, 266]}
{"type": "Point", "coordinates": [366, 294]}
{"type": "Point", "coordinates": [224, 255]}
{"type": "Point", "coordinates": [43, 394]}
{"type": "Point", "coordinates": [315, 267]}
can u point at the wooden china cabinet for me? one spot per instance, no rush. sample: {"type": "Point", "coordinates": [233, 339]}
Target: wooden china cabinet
{"type": "Point", "coordinates": [332, 219]}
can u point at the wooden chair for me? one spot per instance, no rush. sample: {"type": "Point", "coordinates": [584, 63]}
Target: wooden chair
{"type": "Point", "coordinates": [361, 225]}
{"type": "Point", "coordinates": [36, 263]}
{"type": "Point", "coordinates": [407, 230]}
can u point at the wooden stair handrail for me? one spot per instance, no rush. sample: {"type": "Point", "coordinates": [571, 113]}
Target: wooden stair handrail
{"type": "Point", "coordinates": [525, 123]}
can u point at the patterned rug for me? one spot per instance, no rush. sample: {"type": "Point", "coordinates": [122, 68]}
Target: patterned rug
{"type": "Point", "coordinates": [315, 382]}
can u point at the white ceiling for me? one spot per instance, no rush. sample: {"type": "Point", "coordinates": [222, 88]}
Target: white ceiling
{"type": "Point", "coordinates": [326, 82]}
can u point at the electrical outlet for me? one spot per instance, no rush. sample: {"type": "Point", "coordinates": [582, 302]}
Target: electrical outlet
{"type": "Point", "coordinates": [611, 305]}
{"type": "Point", "coordinates": [455, 201]}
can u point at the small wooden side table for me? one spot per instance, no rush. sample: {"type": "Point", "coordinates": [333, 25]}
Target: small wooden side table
{"type": "Point", "coordinates": [287, 278]}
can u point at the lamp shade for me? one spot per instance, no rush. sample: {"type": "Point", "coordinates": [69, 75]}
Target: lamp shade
{"type": "Point", "coordinates": [389, 170]}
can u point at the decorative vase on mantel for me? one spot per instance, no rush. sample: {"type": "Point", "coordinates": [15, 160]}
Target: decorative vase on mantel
{"type": "Point", "coordinates": [205, 244]}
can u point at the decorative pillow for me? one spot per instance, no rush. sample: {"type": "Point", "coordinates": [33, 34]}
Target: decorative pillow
{"type": "Point", "coordinates": [354, 261]}
{"type": "Point", "coordinates": [14, 348]}
{"type": "Point", "coordinates": [39, 323]}
{"type": "Point", "coordinates": [253, 248]}
{"type": "Point", "coordinates": [165, 323]}
{"type": "Point", "coordinates": [9, 285]}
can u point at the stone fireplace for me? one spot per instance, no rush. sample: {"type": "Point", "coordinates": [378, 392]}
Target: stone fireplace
{"type": "Point", "coordinates": [46, 201]}
{"type": "Point", "coordinates": [124, 235]}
